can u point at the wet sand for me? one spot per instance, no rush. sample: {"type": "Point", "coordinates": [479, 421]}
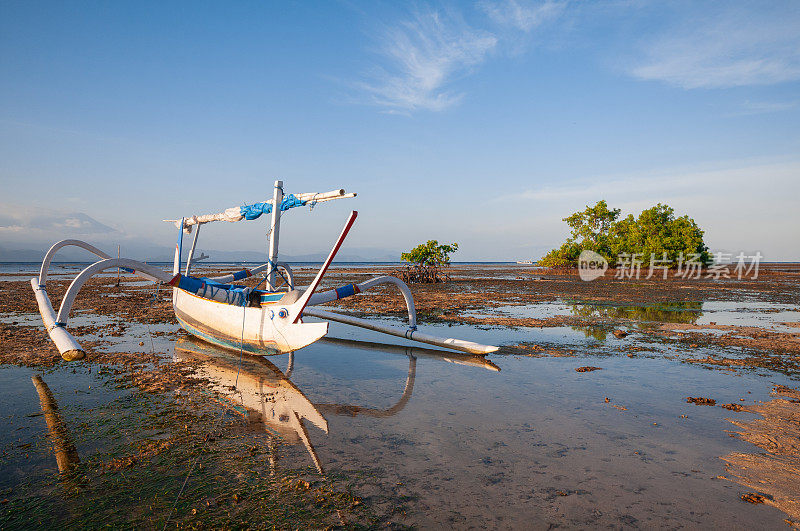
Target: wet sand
{"type": "Point", "coordinates": [582, 427]}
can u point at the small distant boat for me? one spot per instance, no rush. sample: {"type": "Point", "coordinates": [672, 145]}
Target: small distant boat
{"type": "Point", "coordinates": [235, 316]}
{"type": "Point", "coordinates": [525, 262]}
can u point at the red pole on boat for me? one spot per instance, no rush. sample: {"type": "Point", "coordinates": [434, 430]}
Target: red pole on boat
{"type": "Point", "coordinates": [303, 302]}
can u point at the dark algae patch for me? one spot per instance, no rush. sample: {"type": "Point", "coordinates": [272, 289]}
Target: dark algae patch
{"type": "Point", "coordinates": [136, 452]}
{"type": "Point", "coordinates": [701, 401]}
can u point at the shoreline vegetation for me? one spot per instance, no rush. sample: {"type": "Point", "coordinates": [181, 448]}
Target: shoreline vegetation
{"type": "Point", "coordinates": [656, 235]}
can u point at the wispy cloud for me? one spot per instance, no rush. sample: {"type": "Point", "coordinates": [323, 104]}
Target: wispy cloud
{"type": "Point", "coordinates": [691, 183]}
{"type": "Point", "coordinates": [760, 46]}
{"type": "Point", "coordinates": [711, 46]}
{"type": "Point", "coordinates": [523, 15]}
{"type": "Point", "coordinates": [423, 55]}
{"type": "Point", "coordinates": [763, 107]}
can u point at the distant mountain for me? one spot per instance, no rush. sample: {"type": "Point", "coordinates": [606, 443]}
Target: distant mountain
{"type": "Point", "coordinates": [26, 234]}
{"type": "Point", "coordinates": [21, 255]}
{"type": "Point", "coordinates": [76, 254]}
{"type": "Point", "coordinates": [33, 222]}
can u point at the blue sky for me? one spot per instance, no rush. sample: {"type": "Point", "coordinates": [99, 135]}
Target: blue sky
{"type": "Point", "coordinates": [479, 122]}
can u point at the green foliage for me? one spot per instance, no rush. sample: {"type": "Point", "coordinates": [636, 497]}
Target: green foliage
{"type": "Point", "coordinates": [428, 260]}
{"type": "Point", "coordinates": [591, 227]}
{"type": "Point", "coordinates": [656, 233]}
{"type": "Point", "coordinates": [565, 256]}
{"type": "Point", "coordinates": [430, 254]}
{"type": "Point", "coordinates": [590, 230]}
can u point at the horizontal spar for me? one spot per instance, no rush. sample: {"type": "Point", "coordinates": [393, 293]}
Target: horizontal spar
{"type": "Point", "coordinates": [407, 333]}
{"type": "Point", "coordinates": [236, 214]}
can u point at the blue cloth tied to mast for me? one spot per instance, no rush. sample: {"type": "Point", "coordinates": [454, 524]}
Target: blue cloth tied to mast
{"type": "Point", "coordinates": [251, 212]}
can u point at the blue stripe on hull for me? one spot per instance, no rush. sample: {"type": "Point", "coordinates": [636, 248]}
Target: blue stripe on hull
{"type": "Point", "coordinates": [227, 343]}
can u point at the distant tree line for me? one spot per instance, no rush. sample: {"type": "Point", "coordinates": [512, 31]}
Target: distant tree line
{"type": "Point", "coordinates": [656, 233]}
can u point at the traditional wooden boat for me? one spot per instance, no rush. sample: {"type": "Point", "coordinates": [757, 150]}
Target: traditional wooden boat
{"type": "Point", "coordinates": [268, 320]}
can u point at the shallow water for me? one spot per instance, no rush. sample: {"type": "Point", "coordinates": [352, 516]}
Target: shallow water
{"type": "Point", "coordinates": [474, 446]}
{"type": "Point", "coordinates": [27, 453]}
{"type": "Point", "coordinates": [431, 443]}
{"type": "Point", "coordinates": [771, 316]}
{"type": "Point", "coordinates": [766, 315]}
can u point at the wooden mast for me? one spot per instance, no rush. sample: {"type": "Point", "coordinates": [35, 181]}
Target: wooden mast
{"type": "Point", "coordinates": [191, 251]}
{"type": "Point", "coordinates": [274, 229]}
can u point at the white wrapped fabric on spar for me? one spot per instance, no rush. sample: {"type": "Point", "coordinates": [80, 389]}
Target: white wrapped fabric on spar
{"type": "Point", "coordinates": [239, 213]}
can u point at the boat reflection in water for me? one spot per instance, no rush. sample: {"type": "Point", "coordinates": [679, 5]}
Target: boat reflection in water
{"type": "Point", "coordinates": [264, 394]}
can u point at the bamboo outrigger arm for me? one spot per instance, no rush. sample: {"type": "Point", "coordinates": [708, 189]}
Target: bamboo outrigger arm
{"type": "Point", "coordinates": [83, 276]}
{"type": "Point", "coordinates": [48, 257]}
{"type": "Point", "coordinates": [407, 333]}
{"type": "Point", "coordinates": [66, 344]}
{"type": "Point", "coordinates": [352, 289]}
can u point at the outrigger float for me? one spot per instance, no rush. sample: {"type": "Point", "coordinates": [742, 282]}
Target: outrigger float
{"type": "Point", "coordinates": [234, 316]}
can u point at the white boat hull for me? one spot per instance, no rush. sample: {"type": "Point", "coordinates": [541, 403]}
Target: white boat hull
{"type": "Point", "coordinates": [248, 328]}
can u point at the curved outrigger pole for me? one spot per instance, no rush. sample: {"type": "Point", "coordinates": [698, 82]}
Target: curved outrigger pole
{"type": "Point", "coordinates": [66, 344]}
{"type": "Point", "coordinates": [248, 319]}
